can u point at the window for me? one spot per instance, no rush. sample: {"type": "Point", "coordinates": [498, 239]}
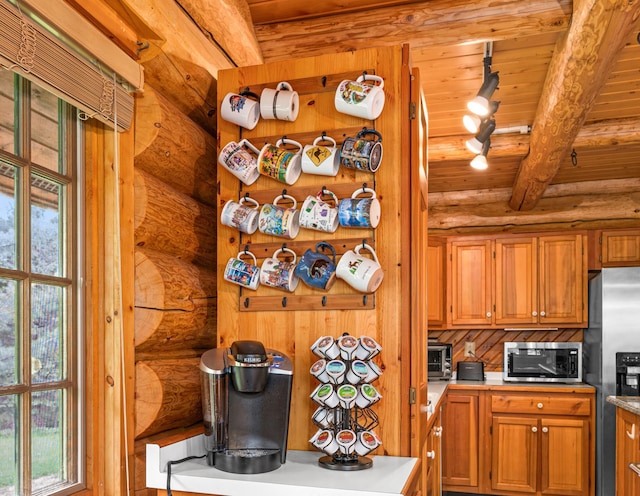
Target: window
{"type": "Point", "coordinates": [40, 382]}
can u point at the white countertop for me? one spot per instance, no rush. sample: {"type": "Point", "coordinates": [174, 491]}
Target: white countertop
{"type": "Point", "coordinates": [301, 474]}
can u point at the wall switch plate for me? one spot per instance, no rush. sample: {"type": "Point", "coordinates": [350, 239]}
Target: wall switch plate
{"type": "Point", "coordinates": [469, 349]}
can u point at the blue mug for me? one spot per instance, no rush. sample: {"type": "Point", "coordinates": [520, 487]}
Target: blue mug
{"type": "Point", "coordinates": [316, 269]}
{"type": "Point", "coordinates": [360, 212]}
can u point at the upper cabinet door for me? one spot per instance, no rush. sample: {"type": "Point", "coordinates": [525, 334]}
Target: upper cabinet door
{"type": "Point", "coordinates": [621, 248]}
{"type": "Point", "coordinates": [471, 282]}
{"type": "Point", "coordinates": [436, 283]}
{"type": "Point", "coordinates": [562, 279]}
{"type": "Point", "coordinates": [516, 282]}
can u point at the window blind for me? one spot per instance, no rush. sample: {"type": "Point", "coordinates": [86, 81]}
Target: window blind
{"type": "Point", "coordinates": [31, 50]}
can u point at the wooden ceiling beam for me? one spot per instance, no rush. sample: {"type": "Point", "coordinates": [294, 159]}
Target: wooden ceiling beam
{"type": "Point", "coordinates": [429, 23]}
{"type": "Point", "coordinates": [578, 70]}
{"type": "Point", "coordinates": [615, 132]}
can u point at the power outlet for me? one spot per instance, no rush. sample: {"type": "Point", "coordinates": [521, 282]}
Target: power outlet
{"type": "Point", "coordinates": [469, 349]}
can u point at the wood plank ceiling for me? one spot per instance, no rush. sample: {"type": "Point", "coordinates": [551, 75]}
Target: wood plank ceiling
{"type": "Point", "coordinates": [447, 39]}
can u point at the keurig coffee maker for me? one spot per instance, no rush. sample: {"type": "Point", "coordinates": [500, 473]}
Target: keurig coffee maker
{"type": "Point", "coordinates": [246, 396]}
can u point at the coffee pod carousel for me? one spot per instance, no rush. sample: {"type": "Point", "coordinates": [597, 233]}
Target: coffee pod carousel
{"type": "Point", "coordinates": [345, 395]}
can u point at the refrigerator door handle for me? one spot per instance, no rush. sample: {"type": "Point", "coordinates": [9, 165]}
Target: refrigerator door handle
{"type": "Point", "coordinates": [632, 434]}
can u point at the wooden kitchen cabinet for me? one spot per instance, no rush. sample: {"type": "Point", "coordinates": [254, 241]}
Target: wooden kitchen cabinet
{"type": "Point", "coordinates": [436, 282]}
{"type": "Point", "coordinates": [620, 248]}
{"type": "Point", "coordinates": [460, 435]}
{"type": "Point", "coordinates": [627, 453]}
{"type": "Point", "coordinates": [541, 444]}
{"type": "Point", "coordinates": [433, 457]}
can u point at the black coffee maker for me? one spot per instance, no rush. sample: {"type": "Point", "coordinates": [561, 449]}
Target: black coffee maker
{"type": "Point", "coordinates": [627, 374]}
{"type": "Point", "coordinates": [246, 397]}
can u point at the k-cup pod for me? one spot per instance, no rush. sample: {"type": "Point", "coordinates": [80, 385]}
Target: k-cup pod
{"type": "Point", "coordinates": [373, 373]}
{"type": "Point", "coordinates": [241, 108]}
{"type": "Point", "coordinates": [359, 211]}
{"type": "Point", "coordinates": [321, 159]}
{"type": "Point", "coordinates": [348, 345]}
{"type": "Point", "coordinates": [317, 214]}
{"type": "Point", "coordinates": [325, 395]}
{"type": "Point", "coordinates": [336, 370]}
{"type": "Point", "coordinates": [242, 217]}
{"type": "Point", "coordinates": [280, 103]}
{"type": "Point", "coordinates": [361, 153]}
{"type": "Point", "coordinates": [279, 221]}
{"type": "Point", "coordinates": [321, 417]}
{"type": "Point", "coordinates": [362, 98]}
{"type": "Point", "coordinates": [316, 269]}
{"type": "Point", "coordinates": [367, 348]}
{"type": "Point", "coordinates": [326, 347]}
{"type": "Point", "coordinates": [347, 395]}
{"type": "Point", "coordinates": [243, 273]}
{"type": "Point", "coordinates": [324, 441]}
{"type": "Point", "coordinates": [319, 370]}
{"type": "Point", "coordinates": [358, 372]}
{"type": "Point", "coordinates": [359, 272]}
{"type": "Point", "coordinates": [281, 163]}
{"type": "Point", "coordinates": [237, 159]}
{"type": "Point", "coordinates": [278, 273]}
{"type": "Point", "coordinates": [366, 442]}
{"type": "Point", "coordinates": [367, 396]}
{"type": "Point", "coordinates": [346, 440]}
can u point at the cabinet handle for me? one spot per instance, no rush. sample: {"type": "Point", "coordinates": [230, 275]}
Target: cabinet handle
{"type": "Point", "coordinates": [437, 432]}
{"type": "Point", "coordinates": [545, 429]}
{"type": "Point", "coordinates": [632, 434]}
{"type": "Point", "coordinates": [543, 313]}
{"type": "Point", "coordinates": [488, 315]}
{"type": "Point", "coordinates": [534, 313]}
{"type": "Point", "coordinates": [635, 467]}
{"type": "Point", "coordinates": [534, 429]}
{"type": "Point", "coordinates": [431, 454]}
{"type": "Point", "coordinates": [540, 405]}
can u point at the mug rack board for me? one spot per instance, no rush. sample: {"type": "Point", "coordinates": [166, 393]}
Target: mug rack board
{"type": "Point", "coordinates": [316, 103]}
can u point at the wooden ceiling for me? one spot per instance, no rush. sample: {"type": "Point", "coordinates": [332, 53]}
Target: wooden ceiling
{"type": "Point", "coordinates": [448, 41]}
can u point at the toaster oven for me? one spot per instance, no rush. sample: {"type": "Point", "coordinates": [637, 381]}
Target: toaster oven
{"type": "Point", "coordinates": [439, 360]}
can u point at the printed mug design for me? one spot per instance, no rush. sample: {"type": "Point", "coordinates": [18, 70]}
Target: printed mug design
{"type": "Point", "coordinates": [353, 92]}
{"type": "Point", "coordinates": [355, 212]}
{"type": "Point", "coordinates": [275, 221]}
{"type": "Point", "coordinates": [236, 103]}
{"type": "Point", "coordinates": [318, 154]}
{"type": "Point", "coordinates": [361, 154]}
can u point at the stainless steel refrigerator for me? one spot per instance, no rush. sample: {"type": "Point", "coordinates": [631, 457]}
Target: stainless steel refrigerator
{"type": "Point", "coordinates": [614, 325]}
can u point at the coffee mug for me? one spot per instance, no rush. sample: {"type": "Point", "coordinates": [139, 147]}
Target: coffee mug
{"type": "Point", "coordinates": [281, 103]}
{"type": "Point", "coordinates": [361, 153]}
{"type": "Point", "coordinates": [361, 273]}
{"type": "Point", "coordinates": [361, 98]}
{"type": "Point", "coordinates": [236, 159]}
{"type": "Point", "coordinates": [319, 215]}
{"type": "Point", "coordinates": [280, 163]}
{"type": "Point", "coordinates": [279, 273]}
{"type": "Point", "coordinates": [239, 109]}
{"type": "Point", "coordinates": [243, 273]}
{"type": "Point", "coordinates": [240, 216]}
{"type": "Point", "coordinates": [279, 221]}
{"type": "Point", "coordinates": [359, 212]}
{"type": "Point", "coordinates": [320, 159]}
{"type": "Point", "coordinates": [316, 269]}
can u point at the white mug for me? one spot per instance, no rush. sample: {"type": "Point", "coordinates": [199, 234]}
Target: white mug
{"type": "Point", "coordinates": [282, 103]}
{"type": "Point", "coordinates": [359, 272]}
{"type": "Point", "coordinates": [243, 273]}
{"type": "Point", "coordinates": [279, 221]}
{"type": "Point", "coordinates": [239, 109]}
{"type": "Point", "coordinates": [280, 163]}
{"type": "Point", "coordinates": [236, 159]}
{"type": "Point", "coordinates": [361, 98]}
{"type": "Point", "coordinates": [239, 216]}
{"type": "Point", "coordinates": [320, 159]}
{"type": "Point", "coordinates": [279, 273]}
{"type": "Point", "coordinates": [318, 214]}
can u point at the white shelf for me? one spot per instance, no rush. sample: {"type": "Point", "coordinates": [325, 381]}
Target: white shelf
{"type": "Point", "coordinates": [301, 475]}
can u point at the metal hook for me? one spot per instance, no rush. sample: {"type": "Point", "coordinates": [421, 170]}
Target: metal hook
{"type": "Point", "coordinates": [284, 192]}
{"type": "Point", "coordinates": [324, 81]}
{"type": "Point", "coordinates": [364, 186]}
{"type": "Point", "coordinates": [284, 246]}
{"type": "Point", "coordinates": [364, 300]}
{"type": "Point", "coordinates": [324, 133]}
{"type": "Point", "coordinates": [364, 244]}
{"type": "Point", "coordinates": [246, 302]}
{"type": "Point", "coordinates": [284, 302]}
{"type": "Point", "coordinates": [324, 190]}
{"type": "Point", "coordinates": [364, 73]}
{"type": "Point", "coordinates": [246, 249]}
{"type": "Point", "coordinates": [324, 301]}
{"type": "Point", "coordinates": [246, 195]}
{"type": "Point", "coordinates": [574, 157]}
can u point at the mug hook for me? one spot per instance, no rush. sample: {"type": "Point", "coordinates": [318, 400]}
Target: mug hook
{"type": "Point", "coordinates": [284, 192]}
{"type": "Point", "coordinates": [364, 187]}
{"type": "Point", "coordinates": [246, 249]}
{"type": "Point", "coordinates": [364, 243]}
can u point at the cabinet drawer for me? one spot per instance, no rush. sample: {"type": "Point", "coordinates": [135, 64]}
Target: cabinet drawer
{"type": "Point", "coordinates": [540, 404]}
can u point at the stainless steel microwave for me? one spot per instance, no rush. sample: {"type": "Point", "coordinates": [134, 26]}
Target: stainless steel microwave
{"type": "Point", "coordinates": [542, 362]}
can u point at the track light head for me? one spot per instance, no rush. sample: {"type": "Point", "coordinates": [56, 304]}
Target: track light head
{"type": "Point", "coordinates": [472, 123]}
{"type": "Point", "coordinates": [479, 162]}
{"type": "Point", "coordinates": [480, 104]}
{"type": "Point", "coordinates": [476, 143]}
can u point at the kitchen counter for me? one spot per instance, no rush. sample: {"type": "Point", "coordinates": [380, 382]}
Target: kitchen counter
{"type": "Point", "coordinates": [300, 475]}
{"type": "Point", "coordinates": [629, 403]}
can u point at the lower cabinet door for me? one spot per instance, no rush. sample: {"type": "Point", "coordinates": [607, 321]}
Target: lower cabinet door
{"type": "Point", "coordinates": [514, 455]}
{"type": "Point", "coordinates": [565, 456]}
